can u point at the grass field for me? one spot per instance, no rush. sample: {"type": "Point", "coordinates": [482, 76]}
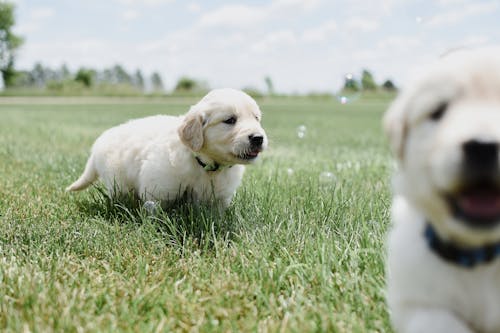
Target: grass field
{"type": "Point", "coordinates": [300, 250]}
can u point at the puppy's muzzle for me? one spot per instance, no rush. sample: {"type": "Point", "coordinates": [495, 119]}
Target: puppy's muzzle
{"type": "Point", "coordinates": [256, 141]}
{"type": "Point", "coordinates": [477, 200]}
{"type": "Point", "coordinates": [480, 160]}
{"type": "Point", "coordinates": [253, 148]}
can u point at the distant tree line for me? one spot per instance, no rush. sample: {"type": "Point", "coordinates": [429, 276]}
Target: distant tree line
{"type": "Point", "coordinates": [115, 79]}
{"type": "Point", "coordinates": [367, 83]}
{"type": "Point", "coordinates": [41, 76]}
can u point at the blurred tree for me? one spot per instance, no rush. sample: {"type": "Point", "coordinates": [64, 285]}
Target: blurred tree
{"type": "Point", "coordinates": [156, 82]}
{"type": "Point", "coordinates": [38, 75]}
{"type": "Point", "coordinates": [389, 86]}
{"type": "Point", "coordinates": [138, 79]}
{"type": "Point", "coordinates": [120, 75]}
{"type": "Point", "coordinates": [85, 76]}
{"type": "Point", "coordinates": [185, 84]}
{"type": "Point", "coordinates": [23, 79]}
{"type": "Point", "coordinates": [367, 81]}
{"type": "Point", "coordinates": [63, 73]}
{"type": "Point", "coordinates": [269, 85]}
{"type": "Point", "coordinates": [9, 43]}
{"type": "Point", "coordinates": [105, 76]}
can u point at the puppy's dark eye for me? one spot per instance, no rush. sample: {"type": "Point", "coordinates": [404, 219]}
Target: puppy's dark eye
{"type": "Point", "coordinates": [230, 121]}
{"type": "Point", "coordinates": [438, 113]}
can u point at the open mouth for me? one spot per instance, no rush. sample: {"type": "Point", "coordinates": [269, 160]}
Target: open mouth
{"type": "Point", "coordinates": [249, 155]}
{"type": "Point", "coordinates": [477, 205]}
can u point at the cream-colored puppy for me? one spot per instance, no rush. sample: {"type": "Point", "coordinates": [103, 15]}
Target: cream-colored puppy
{"type": "Point", "coordinates": [161, 158]}
{"type": "Point", "coordinates": [444, 248]}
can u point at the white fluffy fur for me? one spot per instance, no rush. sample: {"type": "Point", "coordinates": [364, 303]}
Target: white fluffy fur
{"type": "Point", "coordinates": [153, 157]}
{"type": "Point", "coordinates": [426, 293]}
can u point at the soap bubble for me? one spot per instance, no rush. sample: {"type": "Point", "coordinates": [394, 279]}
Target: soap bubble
{"type": "Point", "coordinates": [349, 89]}
{"type": "Point", "coordinates": [150, 207]}
{"type": "Point", "coordinates": [289, 171]}
{"type": "Point", "coordinates": [301, 131]}
{"type": "Point", "coordinates": [326, 178]}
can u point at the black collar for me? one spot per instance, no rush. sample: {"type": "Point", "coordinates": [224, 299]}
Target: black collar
{"type": "Point", "coordinates": [208, 167]}
{"type": "Point", "coordinates": [465, 257]}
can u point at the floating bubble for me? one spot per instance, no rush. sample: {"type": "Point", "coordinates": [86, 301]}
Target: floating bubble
{"type": "Point", "coordinates": [150, 207]}
{"type": "Point", "coordinates": [301, 131]}
{"type": "Point", "coordinates": [418, 19]}
{"type": "Point", "coordinates": [289, 171]}
{"type": "Point", "coordinates": [326, 178]}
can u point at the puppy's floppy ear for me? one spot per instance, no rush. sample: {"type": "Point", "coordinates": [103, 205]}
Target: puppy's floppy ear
{"type": "Point", "coordinates": [395, 126]}
{"type": "Point", "coordinates": [191, 131]}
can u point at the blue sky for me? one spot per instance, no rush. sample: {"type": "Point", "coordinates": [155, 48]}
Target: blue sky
{"type": "Point", "coordinates": [303, 45]}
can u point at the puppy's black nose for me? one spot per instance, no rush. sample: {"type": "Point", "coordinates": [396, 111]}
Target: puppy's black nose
{"type": "Point", "coordinates": [256, 140]}
{"type": "Point", "coordinates": [481, 158]}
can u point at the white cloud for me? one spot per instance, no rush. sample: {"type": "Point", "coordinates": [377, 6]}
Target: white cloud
{"type": "Point", "coordinates": [130, 15]}
{"type": "Point", "coordinates": [362, 24]}
{"type": "Point", "coordinates": [233, 15]}
{"type": "Point", "coordinates": [373, 8]}
{"type": "Point", "coordinates": [87, 52]}
{"type": "Point", "coordinates": [455, 16]}
{"type": "Point", "coordinates": [399, 43]}
{"type": "Point", "coordinates": [274, 40]}
{"type": "Point", "coordinates": [145, 2]}
{"type": "Point", "coordinates": [295, 4]}
{"type": "Point", "coordinates": [320, 33]}
{"type": "Point", "coordinates": [194, 7]}
{"type": "Point", "coordinates": [26, 28]}
{"type": "Point", "coordinates": [446, 3]}
{"type": "Point", "coordinates": [41, 13]}
{"type": "Point", "coordinates": [37, 17]}
{"type": "Point", "coordinates": [243, 16]}
{"type": "Point", "coordinates": [474, 41]}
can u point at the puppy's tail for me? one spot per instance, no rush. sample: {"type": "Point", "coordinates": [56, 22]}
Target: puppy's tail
{"type": "Point", "coordinates": [88, 176]}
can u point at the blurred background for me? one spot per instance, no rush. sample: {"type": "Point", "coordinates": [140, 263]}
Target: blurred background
{"type": "Point", "coordinates": [274, 47]}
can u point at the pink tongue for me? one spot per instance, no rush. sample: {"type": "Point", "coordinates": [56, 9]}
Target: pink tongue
{"type": "Point", "coordinates": [253, 153]}
{"type": "Point", "coordinates": [483, 205]}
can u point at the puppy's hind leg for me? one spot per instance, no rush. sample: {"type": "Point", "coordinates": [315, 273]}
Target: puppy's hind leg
{"type": "Point", "coordinates": [88, 176]}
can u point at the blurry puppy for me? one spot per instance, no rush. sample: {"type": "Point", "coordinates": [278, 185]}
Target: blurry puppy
{"type": "Point", "coordinates": [161, 158]}
{"type": "Point", "coordinates": [443, 261]}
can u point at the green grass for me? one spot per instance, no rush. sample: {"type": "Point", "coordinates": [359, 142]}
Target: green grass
{"type": "Point", "coordinates": [299, 250]}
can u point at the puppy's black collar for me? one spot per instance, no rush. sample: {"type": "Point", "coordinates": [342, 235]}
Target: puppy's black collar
{"type": "Point", "coordinates": [208, 167]}
{"type": "Point", "coordinates": [212, 167]}
{"type": "Point", "coordinates": [465, 257]}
